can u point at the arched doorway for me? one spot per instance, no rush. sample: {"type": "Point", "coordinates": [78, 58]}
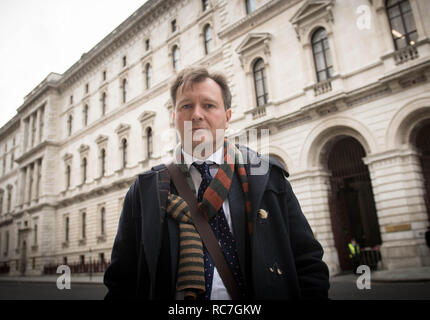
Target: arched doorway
{"type": "Point", "coordinates": [351, 201]}
{"type": "Point", "coordinates": [421, 140]}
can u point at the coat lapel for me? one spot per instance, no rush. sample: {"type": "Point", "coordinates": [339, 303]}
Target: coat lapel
{"type": "Point", "coordinates": [237, 212]}
{"type": "Point", "coordinates": [257, 182]}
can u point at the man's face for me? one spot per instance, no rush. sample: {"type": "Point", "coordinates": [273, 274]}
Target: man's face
{"type": "Point", "coordinates": [199, 113]}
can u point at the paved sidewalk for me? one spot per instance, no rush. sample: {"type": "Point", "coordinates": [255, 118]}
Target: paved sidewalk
{"type": "Point", "coordinates": [420, 274]}
{"type": "Point", "coordinates": [399, 275]}
{"type": "Point", "coordinates": [95, 279]}
{"type": "Point", "coordinates": [402, 275]}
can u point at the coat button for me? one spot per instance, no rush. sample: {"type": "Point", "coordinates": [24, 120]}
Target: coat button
{"type": "Point", "coordinates": [263, 214]}
{"type": "Point", "coordinates": [279, 271]}
{"type": "Point", "coordinates": [271, 269]}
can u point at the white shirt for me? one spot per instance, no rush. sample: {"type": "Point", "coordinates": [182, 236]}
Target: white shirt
{"type": "Point", "coordinates": [219, 291]}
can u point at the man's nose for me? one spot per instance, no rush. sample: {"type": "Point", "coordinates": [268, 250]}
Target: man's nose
{"type": "Point", "coordinates": [197, 112]}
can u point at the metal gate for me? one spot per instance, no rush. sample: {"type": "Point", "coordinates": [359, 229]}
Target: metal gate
{"type": "Point", "coordinates": [351, 201]}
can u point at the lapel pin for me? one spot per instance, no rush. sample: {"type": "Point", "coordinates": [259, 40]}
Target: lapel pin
{"type": "Point", "coordinates": [263, 214]}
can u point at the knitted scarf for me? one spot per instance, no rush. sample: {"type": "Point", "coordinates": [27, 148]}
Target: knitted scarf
{"type": "Point", "coordinates": [191, 275]}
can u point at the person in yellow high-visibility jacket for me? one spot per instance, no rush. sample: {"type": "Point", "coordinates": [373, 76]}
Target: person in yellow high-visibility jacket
{"type": "Point", "coordinates": [354, 253]}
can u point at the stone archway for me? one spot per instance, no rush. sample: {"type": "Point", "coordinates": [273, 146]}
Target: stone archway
{"type": "Point", "coordinates": [351, 201]}
{"type": "Point", "coordinates": [420, 138]}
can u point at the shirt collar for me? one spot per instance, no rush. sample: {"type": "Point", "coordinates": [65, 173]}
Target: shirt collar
{"type": "Point", "coordinates": [216, 157]}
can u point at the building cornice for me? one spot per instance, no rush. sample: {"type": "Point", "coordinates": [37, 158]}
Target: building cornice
{"type": "Point", "coordinates": [143, 17]}
{"type": "Point", "coordinates": [50, 82]}
{"type": "Point", "coordinates": [31, 152]}
{"type": "Point", "coordinates": [257, 17]}
{"type": "Point", "coordinates": [10, 125]}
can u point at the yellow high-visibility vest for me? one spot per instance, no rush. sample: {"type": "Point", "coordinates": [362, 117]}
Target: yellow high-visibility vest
{"type": "Point", "coordinates": [354, 250]}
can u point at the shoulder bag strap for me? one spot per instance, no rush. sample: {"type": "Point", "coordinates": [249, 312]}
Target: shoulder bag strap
{"type": "Point", "coordinates": [205, 231]}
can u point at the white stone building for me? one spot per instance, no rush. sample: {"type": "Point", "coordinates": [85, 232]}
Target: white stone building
{"type": "Point", "coordinates": [343, 87]}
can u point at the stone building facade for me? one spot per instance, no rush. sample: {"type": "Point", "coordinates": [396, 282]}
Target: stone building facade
{"type": "Point", "coordinates": [342, 86]}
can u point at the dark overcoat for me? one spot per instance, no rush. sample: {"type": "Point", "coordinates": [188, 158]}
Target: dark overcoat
{"type": "Point", "coordinates": [281, 259]}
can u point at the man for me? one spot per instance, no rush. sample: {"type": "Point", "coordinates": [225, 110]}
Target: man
{"type": "Point", "coordinates": [257, 219]}
{"type": "Point", "coordinates": [354, 254]}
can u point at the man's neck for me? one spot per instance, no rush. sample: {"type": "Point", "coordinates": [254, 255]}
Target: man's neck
{"type": "Point", "coordinates": [216, 157]}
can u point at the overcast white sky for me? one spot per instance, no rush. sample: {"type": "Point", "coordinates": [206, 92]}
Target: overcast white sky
{"type": "Point", "coordinates": [42, 36]}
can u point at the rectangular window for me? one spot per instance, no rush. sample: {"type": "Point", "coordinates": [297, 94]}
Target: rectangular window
{"type": "Point", "coordinates": [104, 75]}
{"type": "Point", "coordinates": [67, 229]}
{"type": "Point", "coordinates": [87, 88]}
{"type": "Point", "coordinates": [124, 61]}
{"type": "Point", "coordinates": [84, 225]}
{"type": "Point", "coordinates": [174, 26]}
{"type": "Point", "coordinates": [147, 44]}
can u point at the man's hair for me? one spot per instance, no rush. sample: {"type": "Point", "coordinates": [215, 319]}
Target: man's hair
{"type": "Point", "coordinates": [191, 75]}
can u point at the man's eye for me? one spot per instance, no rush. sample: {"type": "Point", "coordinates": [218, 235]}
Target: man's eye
{"type": "Point", "coordinates": [209, 106]}
{"type": "Point", "coordinates": [186, 106]}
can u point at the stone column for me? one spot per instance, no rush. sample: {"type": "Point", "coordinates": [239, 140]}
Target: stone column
{"type": "Point", "coordinates": [36, 133]}
{"type": "Point", "coordinates": [30, 132]}
{"type": "Point", "coordinates": [312, 190]}
{"type": "Point", "coordinates": [399, 197]}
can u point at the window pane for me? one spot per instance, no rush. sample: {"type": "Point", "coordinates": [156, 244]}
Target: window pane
{"type": "Point", "coordinates": [400, 43]}
{"type": "Point", "coordinates": [319, 61]}
{"type": "Point", "coordinates": [328, 58]}
{"type": "Point", "coordinates": [250, 6]}
{"type": "Point", "coordinates": [319, 35]}
{"type": "Point", "coordinates": [397, 26]}
{"type": "Point", "coordinates": [318, 47]}
{"type": "Point", "coordinates": [259, 88]}
{"type": "Point", "coordinates": [393, 12]}
{"type": "Point", "coordinates": [410, 22]}
{"type": "Point", "coordinates": [325, 44]}
{"type": "Point", "coordinates": [405, 7]}
{"type": "Point", "coordinates": [322, 76]}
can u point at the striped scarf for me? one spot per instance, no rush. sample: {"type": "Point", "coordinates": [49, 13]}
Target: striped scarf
{"type": "Point", "coordinates": [191, 275]}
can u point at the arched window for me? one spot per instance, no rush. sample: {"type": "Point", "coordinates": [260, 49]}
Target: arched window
{"type": "Point", "coordinates": [84, 170]}
{"type": "Point", "coordinates": [148, 75]}
{"type": "Point", "coordinates": [149, 141]}
{"type": "Point", "coordinates": [208, 38]}
{"type": "Point", "coordinates": [250, 6]}
{"type": "Point", "coordinates": [175, 57]}
{"type": "Point", "coordinates": [124, 90]}
{"type": "Point", "coordinates": [102, 162]}
{"type": "Point", "coordinates": [260, 82]}
{"type": "Point", "coordinates": [402, 23]}
{"type": "Point", "coordinates": [205, 5]}
{"type": "Point", "coordinates": [68, 175]}
{"type": "Point", "coordinates": [124, 152]}
{"type": "Point", "coordinates": [322, 56]}
{"type": "Point", "coordinates": [102, 220]}
{"type": "Point", "coordinates": [69, 125]}
{"type": "Point", "coordinates": [104, 96]}
{"type": "Point", "coordinates": [86, 115]}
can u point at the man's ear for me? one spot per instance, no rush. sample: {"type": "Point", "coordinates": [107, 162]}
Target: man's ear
{"type": "Point", "coordinates": [228, 117]}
